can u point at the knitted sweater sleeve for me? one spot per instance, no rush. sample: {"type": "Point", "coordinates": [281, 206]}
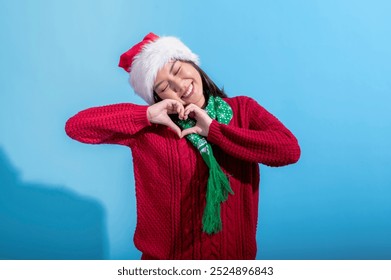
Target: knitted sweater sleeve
{"type": "Point", "coordinates": [260, 137]}
{"type": "Point", "coordinates": [110, 124]}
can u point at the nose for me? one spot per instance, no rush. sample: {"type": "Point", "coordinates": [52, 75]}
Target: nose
{"type": "Point", "coordinates": [177, 85]}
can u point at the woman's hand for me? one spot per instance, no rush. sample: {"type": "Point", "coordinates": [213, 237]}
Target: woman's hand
{"type": "Point", "coordinates": [158, 113]}
{"type": "Point", "coordinates": [202, 118]}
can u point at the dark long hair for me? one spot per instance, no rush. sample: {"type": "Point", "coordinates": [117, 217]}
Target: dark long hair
{"type": "Point", "coordinates": [209, 87]}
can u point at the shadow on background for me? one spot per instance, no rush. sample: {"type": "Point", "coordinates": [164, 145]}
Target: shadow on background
{"type": "Point", "coordinates": [47, 222]}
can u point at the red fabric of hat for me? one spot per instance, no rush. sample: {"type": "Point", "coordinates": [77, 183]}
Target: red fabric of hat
{"type": "Point", "coordinates": [127, 57]}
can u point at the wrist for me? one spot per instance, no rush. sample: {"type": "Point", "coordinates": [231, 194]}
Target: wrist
{"type": "Point", "coordinates": [149, 114]}
{"type": "Point", "coordinates": [139, 116]}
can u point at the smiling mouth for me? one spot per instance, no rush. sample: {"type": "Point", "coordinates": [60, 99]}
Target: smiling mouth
{"type": "Point", "coordinates": [188, 92]}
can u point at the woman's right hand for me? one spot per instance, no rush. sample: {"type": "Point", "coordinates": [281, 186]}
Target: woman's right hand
{"type": "Point", "coordinates": [158, 113]}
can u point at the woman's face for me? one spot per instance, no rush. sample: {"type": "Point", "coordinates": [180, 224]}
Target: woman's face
{"type": "Point", "coordinates": [180, 81]}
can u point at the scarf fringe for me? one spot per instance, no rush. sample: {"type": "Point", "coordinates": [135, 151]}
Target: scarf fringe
{"type": "Point", "coordinates": [217, 192]}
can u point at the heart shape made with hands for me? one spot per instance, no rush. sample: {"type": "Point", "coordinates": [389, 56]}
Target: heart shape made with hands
{"type": "Point", "coordinates": [202, 119]}
{"type": "Point", "coordinates": [159, 113]}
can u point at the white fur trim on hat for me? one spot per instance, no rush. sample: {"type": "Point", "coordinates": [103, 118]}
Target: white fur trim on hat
{"type": "Point", "coordinates": [151, 59]}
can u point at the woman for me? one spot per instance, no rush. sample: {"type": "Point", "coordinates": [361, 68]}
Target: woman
{"type": "Point", "coordinates": [195, 154]}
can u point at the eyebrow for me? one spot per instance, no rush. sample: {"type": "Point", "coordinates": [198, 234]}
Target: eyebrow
{"type": "Point", "coordinates": [172, 66]}
{"type": "Point", "coordinates": [158, 84]}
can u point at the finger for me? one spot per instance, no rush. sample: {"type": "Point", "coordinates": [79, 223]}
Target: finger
{"type": "Point", "coordinates": [190, 111]}
{"type": "Point", "coordinates": [194, 129]}
{"type": "Point", "coordinates": [175, 107]}
{"type": "Point", "coordinates": [180, 110]}
{"type": "Point", "coordinates": [171, 107]}
{"type": "Point", "coordinates": [193, 107]}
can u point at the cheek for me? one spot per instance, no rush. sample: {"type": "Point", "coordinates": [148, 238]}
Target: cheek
{"type": "Point", "coordinates": [199, 85]}
{"type": "Point", "coordinates": [164, 96]}
{"type": "Point", "coordinates": [168, 95]}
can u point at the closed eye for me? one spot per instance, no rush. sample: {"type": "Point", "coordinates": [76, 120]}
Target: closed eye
{"type": "Point", "coordinates": [164, 88]}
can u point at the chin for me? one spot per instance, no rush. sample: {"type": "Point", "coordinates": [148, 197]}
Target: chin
{"type": "Point", "coordinates": [197, 99]}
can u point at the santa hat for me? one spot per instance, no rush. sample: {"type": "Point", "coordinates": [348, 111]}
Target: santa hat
{"type": "Point", "coordinates": [146, 58]}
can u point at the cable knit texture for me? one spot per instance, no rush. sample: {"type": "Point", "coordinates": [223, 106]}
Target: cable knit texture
{"type": "Point", "coordinates": [171, 176]}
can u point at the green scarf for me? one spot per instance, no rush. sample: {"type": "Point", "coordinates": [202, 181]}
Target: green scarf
{"type": "Point", "coordinates": [218, 185]}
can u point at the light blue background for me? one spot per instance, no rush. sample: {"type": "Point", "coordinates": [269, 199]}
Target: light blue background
{"type": "Point", "coordinates": [321, 66]}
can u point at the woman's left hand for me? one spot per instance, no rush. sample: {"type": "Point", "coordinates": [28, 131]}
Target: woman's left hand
{"type": "Point", "coordinates": [202, 118]}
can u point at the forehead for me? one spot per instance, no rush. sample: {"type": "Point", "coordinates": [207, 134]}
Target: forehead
{"type": "Point", "coordinates": [168, 66]}
{"type": "Point", "coordinates": [165, 70]}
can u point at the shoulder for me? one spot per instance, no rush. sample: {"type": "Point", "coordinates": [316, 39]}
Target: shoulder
{"type": "Point", "coordinates": [241, 102]}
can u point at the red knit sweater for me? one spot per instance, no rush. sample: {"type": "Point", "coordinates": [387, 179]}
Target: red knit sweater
{"type": "Point", "coordinates": [171, 176]}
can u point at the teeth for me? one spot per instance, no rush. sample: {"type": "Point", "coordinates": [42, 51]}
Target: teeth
{"type": "Point", "coordinates": [188, 91]}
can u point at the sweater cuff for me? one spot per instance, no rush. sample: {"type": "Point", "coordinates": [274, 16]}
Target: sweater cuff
{"type": "Point", "coordinates": [139, 116]}
{"type": "Point", "coordinates": [214, 132]}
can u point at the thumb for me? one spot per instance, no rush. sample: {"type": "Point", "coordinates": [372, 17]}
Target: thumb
{"type": "Point", "coordinates": [194, 129]}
